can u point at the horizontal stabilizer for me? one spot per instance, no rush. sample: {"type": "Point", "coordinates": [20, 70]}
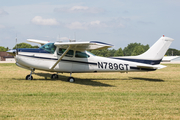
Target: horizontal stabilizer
{"type": "Point", "coordinates": [38, 41]}
{"type": "Point", "coordinates": [169, 58]}
{"type": "Point", "coordinates": [151, 66]}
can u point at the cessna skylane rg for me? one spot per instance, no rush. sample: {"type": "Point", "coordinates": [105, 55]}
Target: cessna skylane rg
{"type": "Point", "coordinates": [73, 57]}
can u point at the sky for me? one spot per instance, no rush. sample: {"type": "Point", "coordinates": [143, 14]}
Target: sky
{"type": "Point", "coordinates": [117, 22]}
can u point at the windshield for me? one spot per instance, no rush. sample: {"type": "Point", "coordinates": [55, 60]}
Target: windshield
{"type": "Point", "coordinates": [49, 47]}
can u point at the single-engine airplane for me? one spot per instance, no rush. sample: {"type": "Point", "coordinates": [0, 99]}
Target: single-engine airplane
{"type": "Point", "coordinates": [73, 57]}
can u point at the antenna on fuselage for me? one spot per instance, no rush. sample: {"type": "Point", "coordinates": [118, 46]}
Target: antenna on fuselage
{"type": "Point", "coordinates": [16, 46]}
{"type": "Point", "coordinates": [59, 38]}
{"type": "Point", "coordinates": [73, 40]}
{"type": "Point", "coordinates": [74, 35]}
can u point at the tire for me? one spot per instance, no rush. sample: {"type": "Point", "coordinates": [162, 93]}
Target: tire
{"type": "Point", "coordinates": [28, 77]}
{"type": "Point", "coordinates": [71, 79]}
{"type": "Point", "coordinates": [54, 76]}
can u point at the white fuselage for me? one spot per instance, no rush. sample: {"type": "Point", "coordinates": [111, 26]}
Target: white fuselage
{"type": "Point", "coordinates": [73, 64]}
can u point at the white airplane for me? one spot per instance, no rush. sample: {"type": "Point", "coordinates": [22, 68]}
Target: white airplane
{"type": "Point", "coordinates": [72, 57]}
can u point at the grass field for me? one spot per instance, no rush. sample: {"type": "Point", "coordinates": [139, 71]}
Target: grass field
{"type": "Point", "coordinates": [143, 95]}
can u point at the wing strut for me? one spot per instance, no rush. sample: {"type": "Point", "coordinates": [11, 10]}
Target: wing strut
{"type": "Point", "coordinates": [60, 58]}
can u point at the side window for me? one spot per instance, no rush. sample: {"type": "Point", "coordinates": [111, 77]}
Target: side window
{"type": "Point", "coordinates": [81, 54]}
{"type": "Point", "coordinates": [70, 53]}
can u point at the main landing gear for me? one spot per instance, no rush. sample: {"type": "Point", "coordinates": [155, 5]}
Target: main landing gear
{"type": "Point", "coordinates": [71, 79]}
{"type": "Point", "coordinates": [53, 76]}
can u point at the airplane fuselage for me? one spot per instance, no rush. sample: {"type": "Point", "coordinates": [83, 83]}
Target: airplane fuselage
{"type": "Point", "coordinates": [75, 64]}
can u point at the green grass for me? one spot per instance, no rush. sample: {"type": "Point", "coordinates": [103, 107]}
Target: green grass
{"type": "Point", "coordinates": [143, 95]}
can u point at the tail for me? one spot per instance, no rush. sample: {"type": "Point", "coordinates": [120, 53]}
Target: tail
{"type": "Point", "coordinates": [154, 55]}
{"type": "Point", "coordinates": [158, 50]}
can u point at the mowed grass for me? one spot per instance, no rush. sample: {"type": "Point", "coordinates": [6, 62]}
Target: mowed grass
{"type": "Point", "coordinates": [137, 95]}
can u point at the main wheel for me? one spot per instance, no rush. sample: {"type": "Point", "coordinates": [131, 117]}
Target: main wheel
{"type": "Point", "coordinates": [71, 79]}
{"type": "Point", "coordinates": [54, 76]}
{"type": "Point", "coordinates": [29, 77]}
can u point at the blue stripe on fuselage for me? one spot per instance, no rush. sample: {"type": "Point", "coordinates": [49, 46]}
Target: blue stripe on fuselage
{"type": "Point", "coordinates": [34, 50]}
{"type": "Point", "coordinates": [150, 62]}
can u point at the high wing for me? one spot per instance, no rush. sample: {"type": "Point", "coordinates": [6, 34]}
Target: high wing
{"type": "Point", "coordinates": [38, 41]}
{"type": "Point", "coordinates": [82, 46]}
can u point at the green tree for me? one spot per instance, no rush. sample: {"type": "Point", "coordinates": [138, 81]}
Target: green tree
{"type": "Point", "coordinates": [3, 49]}
{"type": "Point", "coordinates": [137, 51]}
{"type": "Point", "coordinates": [104, 52]}
{"type": "Point", "coordinates": [119, 52]}
{"type": "Point", "coordinates": [130, 48]}
{"type": "Point", "coordinates": [111, 52]}
{"type": "Point", "coordinates": [172, 52]}
{"type": "Point", "coordinates": [145, 47]}
{"type": "Point", "coordinates": [24, 45]}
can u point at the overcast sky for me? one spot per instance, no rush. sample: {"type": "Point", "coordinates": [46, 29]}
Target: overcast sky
{"type": "Point", "coordinates": [118, 22]}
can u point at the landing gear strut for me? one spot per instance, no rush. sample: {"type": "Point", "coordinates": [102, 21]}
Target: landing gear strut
{"type": "Point", "coordinates": [30, 77]}
{"type": "Point", "coordinates": [71, 79]}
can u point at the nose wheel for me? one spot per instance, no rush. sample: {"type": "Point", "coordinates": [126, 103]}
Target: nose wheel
{"type": "Point", "coordinates": [29, 77]}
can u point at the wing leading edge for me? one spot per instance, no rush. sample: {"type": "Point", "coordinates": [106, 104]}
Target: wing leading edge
{"type": "Point", "coordinates": [82, 46]}
{"type": "Point", "coordinates": [38, 41]}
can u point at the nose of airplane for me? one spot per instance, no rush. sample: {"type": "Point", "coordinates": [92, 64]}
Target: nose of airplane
{"type": "Point", "coordinates": [12, 52]}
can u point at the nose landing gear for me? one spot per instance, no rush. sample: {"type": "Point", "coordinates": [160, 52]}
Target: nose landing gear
{"type": "Point", "coordinates": [30, 77]}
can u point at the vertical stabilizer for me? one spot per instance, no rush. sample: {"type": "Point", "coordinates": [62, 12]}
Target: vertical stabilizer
{"type": "Point", "coordinates": [158, 50]}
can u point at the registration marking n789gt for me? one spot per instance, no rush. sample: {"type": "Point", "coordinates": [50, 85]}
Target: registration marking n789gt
{"type": "Point", "coordinates": [115, 66]}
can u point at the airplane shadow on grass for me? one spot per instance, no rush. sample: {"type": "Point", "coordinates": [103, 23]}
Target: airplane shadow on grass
{"type": "Point", "coordinates": [147, 79]}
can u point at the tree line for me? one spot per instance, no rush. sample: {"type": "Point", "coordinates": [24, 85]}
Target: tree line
{"type": "Point", "coordinates": [20, 45]}
{"type": "Point", "coordinates": [132, 49]}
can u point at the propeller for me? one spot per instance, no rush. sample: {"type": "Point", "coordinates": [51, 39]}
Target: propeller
{"type": "Point", "coordinates": [13, 52]}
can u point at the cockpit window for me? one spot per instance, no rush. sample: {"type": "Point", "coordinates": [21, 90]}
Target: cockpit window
{"type": "Point", "coordinates": [50, 47]}
{"type": "Point", "coordinates": [81, 54]}
{"type": "Point", "coordinates": [70, 53]}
